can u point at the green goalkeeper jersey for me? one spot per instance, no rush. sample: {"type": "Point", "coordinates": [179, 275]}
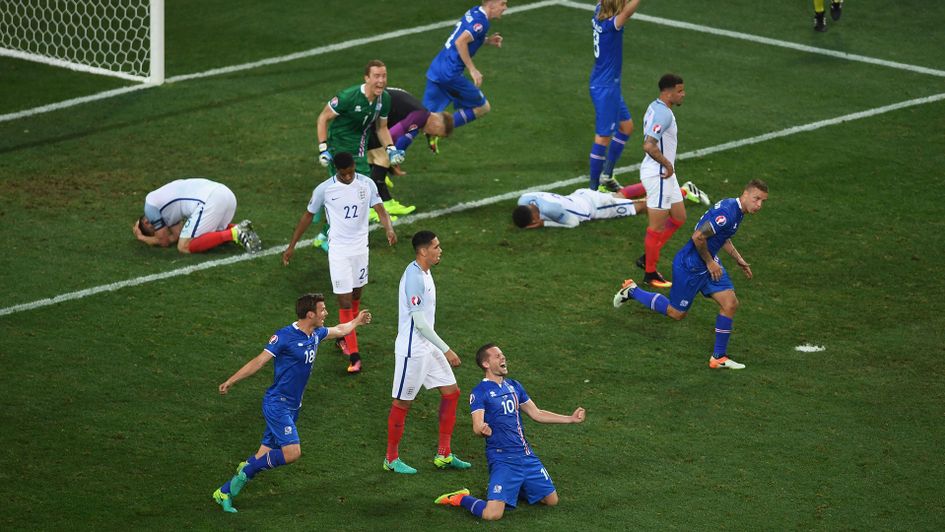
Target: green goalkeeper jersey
{"type": "Point", "coordinates": [351, 129]}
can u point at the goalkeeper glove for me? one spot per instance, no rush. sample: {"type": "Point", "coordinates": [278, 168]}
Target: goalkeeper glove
{"type": "Point", "coordinates": [324, 156]}
{"type": "Point", "coordinates": [396, 156]}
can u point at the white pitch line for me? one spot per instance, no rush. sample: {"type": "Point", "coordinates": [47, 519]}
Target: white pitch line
{"type": "Point", "coordinates": [321, 50]}
{"type": "Point", "coordinates": [771, 42]}
{"type": "Point", "coordinates": [70, 296]}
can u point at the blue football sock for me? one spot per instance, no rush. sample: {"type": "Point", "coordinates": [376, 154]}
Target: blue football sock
{"type": "Point", "coordinates": [226, 487]}
{"type": "Point", "coordinates": [474, 505]}
{"type": "Point", "coordinates": [723, 330]}
{"type": "Point", "coordinates": [614, 152]}
{"type": "Point", "coordinates": [651, 300]}
{"type": "Point", "coordinates": [597, 164]}
{"type": "Point", "coordinates": [270, 460]}
{"type": "Point", "coordinates": [463, 117]}
{"type": "Point", "coordinates": [404, 142]}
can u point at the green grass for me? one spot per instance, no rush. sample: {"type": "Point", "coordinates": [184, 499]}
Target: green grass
{"type": "Point", "coordinates": [108, 405]}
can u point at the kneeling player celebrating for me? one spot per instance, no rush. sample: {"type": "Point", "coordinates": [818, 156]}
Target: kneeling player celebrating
{"type": "Point", "coordinates": [513, 467]}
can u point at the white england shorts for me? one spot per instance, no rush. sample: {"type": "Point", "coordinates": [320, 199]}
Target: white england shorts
{"type": "Point", "coordinates": [347, 273]}
{"type": "Point", "coordinates": [661, 193]}
{"type": "Point", "coordinates": [605, 205]}
{"type": "Point", "coordinates": [215, 214]}
{"type": "Point", "coordinates": [429, 368]}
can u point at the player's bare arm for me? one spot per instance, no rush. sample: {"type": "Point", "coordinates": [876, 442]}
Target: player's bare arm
{"type": "Point", "coordinates": [304, 222]}
{"type": "Point", "coordinates": [701, 240]}
{"type": "Point", "coordinates": [383, 132]}
{"type": "Point", "coordinates": [626, 13]}
{"type": "Point", "coordinates": [462, 48]}
{"type": "Point", "coordinates": [545, 416]}
{"type": "Point", "coordinates": [730, 249]}
{"type": "Point", "coordinates": [324, 118]}
{"type": "Point", "coordinates": [652, 148]}
{"type": "Point", "coordinates": [479, 425]}
{"type": "Point", "coordinates": [247, 370]}
{"type": "Point", "coordinates": [344, 329]}
{"type": "Point", "coordinates": [386, 223]}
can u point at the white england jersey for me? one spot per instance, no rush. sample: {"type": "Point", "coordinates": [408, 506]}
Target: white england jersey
{"type": "Point", "coordinates": [659, 123]}
{"type": "Point", "coordinates": [346, 211]}
{"type": "Point", "coordinates": [416, 292]}
{"type": "Point", "coordinates": [177, 200]}
{"type": "Point", "coordinates": [579, 206]}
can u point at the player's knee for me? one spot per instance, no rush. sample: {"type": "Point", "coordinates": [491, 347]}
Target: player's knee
{"type": "Point", "coordinates": [730, 307]}
{"type": "Point", "coordinates": [626, 127]}
{"type": "Point", "coordinates": [483, 109]}
{"type": "Point", "coordinates": [291, 453]}
{"type": "Point", "coordinates": [675, 314]}
{"type": "Point", "coordinates": [551, 499]}
{"type": "Point", "coordinates": [492, 514]}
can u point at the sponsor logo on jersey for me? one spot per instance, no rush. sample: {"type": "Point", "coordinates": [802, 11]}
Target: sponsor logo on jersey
{"type": "Point", "coordinates": [721, 220]}
{"type": "Point", "coordinates": [273, 339]}
{"type": "Point", "coordinates": [491, 393]}
{"type": "Point", "coordinates": [477, 27]}
{"type": "Point", "coordinates": [357, 108]}
{"type": "Point", "coordinates": [288, 430]}
{"type": "Point", "coordinates": [413, 127]}
{"type": "Point", "coordinates": [497, 488]}
{"type": "Point", "coordinates": [415, 300]}
{"type": "Point", "coordinates": [333, 102]}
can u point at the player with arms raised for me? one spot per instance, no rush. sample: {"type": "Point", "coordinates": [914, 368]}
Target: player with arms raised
{"type": "Point", "coordinates": [496, 404]}
{"type": "Point", "coordinates": [293, 348]}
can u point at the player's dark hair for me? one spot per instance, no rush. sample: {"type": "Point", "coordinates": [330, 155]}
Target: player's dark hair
{"type": "Point", "coordinates": [448, 123]}
{"type": "Point", "coordinates": [482, 353]}
{"type": "Point", "coordinates": [371, 64]}
{"type": "Point", "coordinates": [306, 303]}
{"type": "Point", "coordinates": [422, 239]}
{"type": "Point", "coordinates": [757, 184]}
{"type": "Point", "coordinates": [146, 231]}
{"type": "Point", "coordinates": [668, 81]}
{"type": "Point", "coordinates": [344, 160]}
{"type": "Point", "coordinates": [522, 216]}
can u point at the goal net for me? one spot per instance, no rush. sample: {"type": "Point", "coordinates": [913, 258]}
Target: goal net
{"type": "Point", "coordinates": [121, 38]}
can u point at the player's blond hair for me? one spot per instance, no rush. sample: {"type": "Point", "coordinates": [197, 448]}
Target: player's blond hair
{"type": "Point", "coordinates": [610, 8]}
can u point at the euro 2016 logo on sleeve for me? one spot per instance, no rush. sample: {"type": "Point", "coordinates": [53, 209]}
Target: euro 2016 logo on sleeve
{"type": "Point", "coordinates": [477, 27]}
{"type": "Point", "coordinates": [273, 339]}
{"type": "Point", "coordinates": [721, 220]}
{"type": "Point", "coordinates": [657, 128]}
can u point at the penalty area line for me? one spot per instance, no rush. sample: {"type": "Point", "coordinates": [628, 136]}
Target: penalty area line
{"type": "Point", "coordinates": [413, 218]}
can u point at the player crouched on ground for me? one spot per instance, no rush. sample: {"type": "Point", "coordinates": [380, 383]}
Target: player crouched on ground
{"type": "Point", "coordinates": [196, 214]}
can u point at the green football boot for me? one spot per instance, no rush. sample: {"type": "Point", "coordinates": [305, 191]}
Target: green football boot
{"type": "Point", "coordinates": [398, 466]}
{"type": "Point", "coordinates": [224, 500]}
{"type": "Point", "coordinates": [451, 461]}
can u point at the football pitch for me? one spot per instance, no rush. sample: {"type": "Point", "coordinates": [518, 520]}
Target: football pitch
{"type": "Point", "coordinates": [112, 352]}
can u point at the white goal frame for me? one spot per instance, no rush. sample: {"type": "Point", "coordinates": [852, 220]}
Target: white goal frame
{"type": "Point", "coordinates": [154, 74]}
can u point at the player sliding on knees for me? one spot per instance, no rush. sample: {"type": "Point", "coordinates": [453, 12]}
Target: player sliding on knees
{"type": "Point", "coordinates": [293, 347]}
{"type": "Point", "coordinates": [496, 405]}
{"type": "Point", "coordinates": [697, 269]}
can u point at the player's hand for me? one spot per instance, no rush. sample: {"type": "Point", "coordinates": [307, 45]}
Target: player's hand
{"type": "Point", "coordinates": [453, 358]}
{"type": "Point", "coordinates": [476, 77]}
{"type": "Point", "coordinates": [324, 158]}
{"type": "Point", "coordinates": [578, 415]}
{"type": "Point", "coordinates": [225, 387]}
{"type": "Point", "coordinates": [287, 254]}
{"type": "Point", "coordinates": [396, 156]}
{"type": "Point", "coordinates": [485, 430]}
{"type": "Point", "coordinates": [668, 170]}
{"type": "Point", "coordinates": [364, 317]}
{"type": "Point", "coordinates": [715, 271]}
{"type": "Point", "coordinates": [136, 230]}
{"type": "Point", "coordinates": [391, 237]}
{"type": "Point", "coordinates": [746, 268]}
{"type": "Point", "coordinates": [495, 40]}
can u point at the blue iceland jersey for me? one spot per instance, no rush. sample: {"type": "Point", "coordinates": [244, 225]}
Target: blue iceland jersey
{"type": "Point", "coordinates": [294, 353]}
{"type": "Point", "coordinates": [724, 217]}
{"type": "Point", "coordinates": [447, 64]}
{"type": "Point", "coordinates": [501, 405]}
{"type": "Point", "coordinates": [608, 51]}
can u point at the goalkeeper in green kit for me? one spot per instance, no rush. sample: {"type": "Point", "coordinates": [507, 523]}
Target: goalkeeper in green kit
{"type": "Point", "coordinates": [345, 123]}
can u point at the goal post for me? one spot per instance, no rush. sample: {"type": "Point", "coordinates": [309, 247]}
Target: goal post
{"type": "Point", "coordinates": [119, 38]}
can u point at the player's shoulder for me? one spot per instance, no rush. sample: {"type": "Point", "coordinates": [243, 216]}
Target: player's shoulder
{"type": "Point", "coordinates": [282, 335]}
